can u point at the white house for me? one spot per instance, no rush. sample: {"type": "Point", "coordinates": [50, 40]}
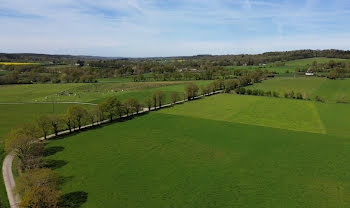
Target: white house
{"type": "Point", "coordinates": [309, 73]}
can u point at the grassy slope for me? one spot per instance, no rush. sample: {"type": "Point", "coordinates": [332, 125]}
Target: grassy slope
{"type": "Point", "coordinates": [331, 90]}
{"type": "Point", "coordinates": [204, 163]}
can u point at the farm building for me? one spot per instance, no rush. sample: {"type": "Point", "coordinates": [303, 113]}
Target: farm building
{"type": "Point", "coordinates": [309, 73]}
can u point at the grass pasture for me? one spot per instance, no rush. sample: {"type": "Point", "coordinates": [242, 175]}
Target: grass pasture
{"type": "Point", "coordinates": [290, 65]}
{"type": "Point", "coordinates": [85, 92]}
{"type": "Point", "coordinates": [220, 151]}
{"type": "Point", "coordinates": [330, 90]}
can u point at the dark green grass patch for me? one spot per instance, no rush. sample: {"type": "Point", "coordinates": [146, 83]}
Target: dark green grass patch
{"type": "Point", "coordinates": [163, 160]}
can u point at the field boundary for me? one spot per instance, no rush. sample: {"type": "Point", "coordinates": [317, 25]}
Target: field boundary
{"type": "Point", "coordinates": [14, 198]}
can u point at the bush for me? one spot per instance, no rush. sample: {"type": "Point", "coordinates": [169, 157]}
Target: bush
{"type": "Point", "coordinates": [342, 99]}
{"type": "Point", "coordinates": [299, 96]}
{"type": "Point", "coordinates": [275, 94]}
{"type": "Point", "coordinates": [261, 92]}
{"type": "Point", "coordinates": [319, 99]}
{"type": "Point", "coordinates": [255, 92]}
{"type": "Point", "coordinates": [268, 93]}
{"type": "Point", "coordinates": [249, 92]}
{"type": "Point", "coordinates": [241, 91]}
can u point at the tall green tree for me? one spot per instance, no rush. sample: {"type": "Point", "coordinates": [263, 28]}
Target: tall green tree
{"type": "Point", "coordinates": [44, 123]}
{"type": "Point", "coordinates": [191, 91]}
{"type": "Point", "coordinates": [174, 97]}
{"type": "Point", "coordinates": [78, 114]}
{"type": "Point", "coordinates": [24, 143]}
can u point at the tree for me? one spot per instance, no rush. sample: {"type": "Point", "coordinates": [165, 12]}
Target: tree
{"type": "Point", "coordinates": [174, 97]}
{"type": "Point", "coordinates": [148, 103]}
{"type": "Point", "coordinates": [154, 100]}
{"type": "Point", "coordinates": [127, 106]}
{"type": "Point", "coordinates": [230, 84]}
{"type": "Point", "coordinates": [56, 123]}
{"type": "Point", "coordinates": [44, 123]}
{"type": "Point", "coordinates": [92, 116]}
{"type": "Point", "coordinates": [69, 121]}
{"type": "Point", "coordinates": [332, 75]}
{"type": "Point", "coordinates": [135, 105]}
{"type": "Point", "coordinates": [191, 91]}
{"type": "Point", "coordinates": [23, 141]}
{"type": "Point", "coordinates": [78, 114]}
{"type": "Point", "coordinates": [158, 98]}
{"type": "Point", "coordinates": [41, 196]}
{"type": "Point", "coordinates": [109, 107]}
{"type": "Point", "coordinates": [161, 98]}
{"type": "Point", "coordinates": [37, 177]}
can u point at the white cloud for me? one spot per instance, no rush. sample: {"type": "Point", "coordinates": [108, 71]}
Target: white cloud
{"type": "Point", "coordinates": [147, 28]}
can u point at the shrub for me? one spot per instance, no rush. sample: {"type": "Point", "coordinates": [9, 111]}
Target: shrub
{"type": "Point", "coordinates": [241, 91]}
{"type": "Point", "coordinates": [342, 99]}
{"type": "Point", "coordinates": [268, 93]}
{"type": "Point", "coordinates": [275, 94]}
{"type": "Point", "coordinates": [299, 96]}
{"type": "Point", "coordinates": [255, 92]}
{"type": "Point", "coordinates": [249, 92]}
{"type": "Point", "coordinates": [261, 92]}
{"type": "Point", "coordinates": [319, 99]}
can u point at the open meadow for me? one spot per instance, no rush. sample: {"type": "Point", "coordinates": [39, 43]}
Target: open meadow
{"type": "Point", "coordinates": [331, 90]}
{"type": "Point", "coordinates": [225, 150]}
{"type": "Point", "coordinates": [290, 66]}
{"type": "Point", "coordinates": [21, 103]}
{"type": "Point", "coordinates": [221, 151]}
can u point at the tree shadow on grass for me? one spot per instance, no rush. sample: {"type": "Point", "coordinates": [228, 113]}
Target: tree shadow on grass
{"type": "Point", "coordinates": [52, 150]}
{"type": "Point", "coordinates": [54, 164]}
{"type": "Point", "coordinates": [65, 179]}
{"type": "Point", "coordinates": [73, 199]}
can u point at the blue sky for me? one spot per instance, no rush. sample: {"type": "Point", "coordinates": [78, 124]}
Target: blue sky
{"type": "Point", "coordinates": [144, 28]}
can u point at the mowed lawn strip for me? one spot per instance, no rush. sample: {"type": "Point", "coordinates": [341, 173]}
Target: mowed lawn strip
{"type": "Point", "coordinates": [163, 160]}
{"type": "Point", "coordinates": [263, 111]}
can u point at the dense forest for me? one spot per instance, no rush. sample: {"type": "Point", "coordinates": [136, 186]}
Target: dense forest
{"type": "Point", "coordinates": [66, 69]}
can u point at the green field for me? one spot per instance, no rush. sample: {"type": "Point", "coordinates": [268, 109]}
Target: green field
{"type": "Point", "coordinates": [220, 151]}
{"type": "Point", "coordinates": [330, 90]}
{"type": "Point", "coordinates": [289, 65]}
{"type": "Point", "coordinates": [84, 92]}
{"type": "Point", "coordinates": [15, 114]}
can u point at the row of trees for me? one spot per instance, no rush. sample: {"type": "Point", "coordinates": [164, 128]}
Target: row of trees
{"type": "Point", "coordinates": [290, 95]}
{"type": "Point", "coordinates": [257, 92]}
{"type": "Point", "coordinates": [39, 185]}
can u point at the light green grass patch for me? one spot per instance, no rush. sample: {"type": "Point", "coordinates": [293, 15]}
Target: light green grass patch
{"type": "Point", "coordinates": [263, 111]}
{"type": "Point", "coordinates": [330, 90]}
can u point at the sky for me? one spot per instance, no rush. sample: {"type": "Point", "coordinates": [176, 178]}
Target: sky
{"type": "Point", "coordinates": [153, 28]}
